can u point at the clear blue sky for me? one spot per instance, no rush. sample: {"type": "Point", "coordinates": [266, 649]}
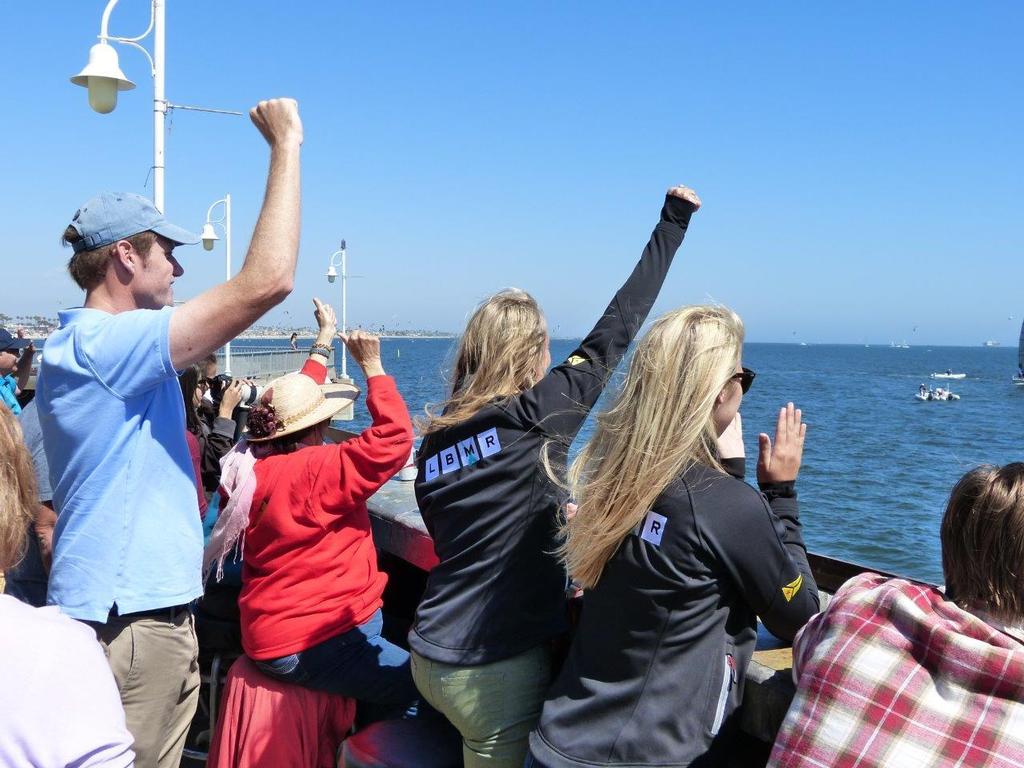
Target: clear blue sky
{"type": "Point", "coordinates": [861, 165]}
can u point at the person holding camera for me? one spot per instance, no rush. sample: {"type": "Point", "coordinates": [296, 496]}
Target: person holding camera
{"type": "Point", "coordinates": [128, 544]}
{"type": "Point", "coordinates": [208, 443]}
{"type": "Point", "coordinates": [311, 592]}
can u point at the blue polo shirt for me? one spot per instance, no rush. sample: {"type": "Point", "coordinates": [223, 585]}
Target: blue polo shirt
{"type": "Point", "coordinates": [113, 426]}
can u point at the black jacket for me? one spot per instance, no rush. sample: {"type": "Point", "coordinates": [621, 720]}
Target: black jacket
{"type": "Point", "coordinates": [657, 665]}
{"type": "Point", "coordinates": [488, 504]}
{"type": "Point", "coordinates": [214, 443]}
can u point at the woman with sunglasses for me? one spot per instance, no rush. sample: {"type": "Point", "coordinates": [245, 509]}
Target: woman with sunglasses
{"type": "Point", "coordinates": [678, 557]}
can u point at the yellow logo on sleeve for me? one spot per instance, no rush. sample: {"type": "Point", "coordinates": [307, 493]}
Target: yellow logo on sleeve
{"type": "Point", "coordinates": [792, 588]}
{"type": "Point", "coordinates": [576, 360]}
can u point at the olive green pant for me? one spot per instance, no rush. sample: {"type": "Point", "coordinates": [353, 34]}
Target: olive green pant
{"type": "Point", "coordinates": [494, 706]}
{"type": "Point", "coordinates": [155, 662]}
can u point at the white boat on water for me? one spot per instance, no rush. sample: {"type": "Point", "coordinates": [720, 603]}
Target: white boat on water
{"type": "Point", "coordinates": [924, 394]}
{"type": "Point", "coordinates": [949, 375]}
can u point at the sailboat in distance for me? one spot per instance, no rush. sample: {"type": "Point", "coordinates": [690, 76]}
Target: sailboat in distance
{"type": "Point", "coordinates": [1018, 377]}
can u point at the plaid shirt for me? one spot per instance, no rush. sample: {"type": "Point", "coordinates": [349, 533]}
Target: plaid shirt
{"type": "Point", "coordinates": [893, 674]}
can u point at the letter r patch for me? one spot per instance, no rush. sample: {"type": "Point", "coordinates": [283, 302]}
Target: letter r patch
{"type": "Point", "coordinates": [489, 444]}
{"type": "Point", "coordinates": [653, 528]}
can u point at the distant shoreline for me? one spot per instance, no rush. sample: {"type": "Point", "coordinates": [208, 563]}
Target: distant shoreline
{"type": "Point", "coordinates": [39, 335]}
{"type": "Point", "coordinates": [300, 337]}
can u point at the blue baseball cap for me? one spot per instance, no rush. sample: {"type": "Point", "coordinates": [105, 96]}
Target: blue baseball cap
{"type": "Point", "coordinates": [113, 216]}
{"type": "Point", "coordinates": [10, 341]}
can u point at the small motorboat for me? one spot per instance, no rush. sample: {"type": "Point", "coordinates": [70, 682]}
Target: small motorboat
{"type": "Point", "coordinates": [949, 375]}
{"type": "Point", "coordinates": [925, 394]}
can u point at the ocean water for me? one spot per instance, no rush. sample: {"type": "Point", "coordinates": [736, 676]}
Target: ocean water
{"type": "Point", "coordinates": [878, 464]}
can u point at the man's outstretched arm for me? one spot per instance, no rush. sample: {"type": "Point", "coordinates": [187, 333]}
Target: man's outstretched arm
{"type": "Point", "coordinates": [218, 315]}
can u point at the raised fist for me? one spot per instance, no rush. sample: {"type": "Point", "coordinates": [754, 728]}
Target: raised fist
{"type": "Point", "coordinates": [687, 194]}
{"type": "Point", "coordinates": [278, 121]}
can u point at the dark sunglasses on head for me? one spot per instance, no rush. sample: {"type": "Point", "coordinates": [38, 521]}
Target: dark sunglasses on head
{"type": "Point", "coordinates": [746, 379]}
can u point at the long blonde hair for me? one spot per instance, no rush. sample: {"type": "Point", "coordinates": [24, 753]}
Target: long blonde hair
{"type": "Point", "coordinates": [18, 497]}
{"type": "Point", "coordinates": [497, 357]}
{"type": "Point", "coordinates": [660, 423]}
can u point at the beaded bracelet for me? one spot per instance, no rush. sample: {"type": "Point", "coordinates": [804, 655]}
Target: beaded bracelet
{"type": "Point", "coordinates": [320, 349]}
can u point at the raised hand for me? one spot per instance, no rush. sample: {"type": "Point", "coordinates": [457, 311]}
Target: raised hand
{"type": "Point", "coordinates": [326, 321]}
{"type": "Point", "coordinates": [230, 398]}
{"type": "Point", "coordinates": [687, 194]}
{"type": "Point", "coordinates": [278, 121]}
{"type": "Point", "coordinates": [365, 350]}
{"type": "Point", "coordinates": [780, 463]}
{"type": "Point", "coordinates": [31, 348]}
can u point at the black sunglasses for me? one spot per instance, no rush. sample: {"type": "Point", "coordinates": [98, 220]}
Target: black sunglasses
{"type": "Point", "coordinates": [746, 379]}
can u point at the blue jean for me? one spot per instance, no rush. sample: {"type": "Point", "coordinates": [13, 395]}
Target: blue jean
{"type": "Point", "coordinates": [359, 664]}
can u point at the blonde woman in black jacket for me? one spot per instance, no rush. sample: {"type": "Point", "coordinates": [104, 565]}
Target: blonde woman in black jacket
{"type": "Point", "coordinates": [677, 557]}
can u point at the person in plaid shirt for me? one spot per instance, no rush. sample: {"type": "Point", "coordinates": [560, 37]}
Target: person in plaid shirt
{"type": "Point", "coordinates": [895, 673]}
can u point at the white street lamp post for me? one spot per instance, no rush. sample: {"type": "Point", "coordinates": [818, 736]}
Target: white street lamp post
{"type": "Point", "coordinates": [209, 237]}
{"type": "Point", "coordinates": [104, 78]}
{"type": "Point", "coordinates": [332, 275]}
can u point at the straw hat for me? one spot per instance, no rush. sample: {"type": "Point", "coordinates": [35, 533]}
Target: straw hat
{"type": "Point", "coordinates": [300, 402]}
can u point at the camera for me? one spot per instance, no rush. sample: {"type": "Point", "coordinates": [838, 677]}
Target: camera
{"type": "Point", "coordinates": [250, 392]}
{"type": "Point", "coordinates": [240, 415]}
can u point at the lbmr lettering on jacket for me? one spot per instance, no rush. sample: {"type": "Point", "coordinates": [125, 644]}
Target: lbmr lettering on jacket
{"type": "Point", "coordinates": [465, 453]}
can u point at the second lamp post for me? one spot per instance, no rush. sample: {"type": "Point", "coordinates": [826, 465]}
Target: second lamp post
{"type": "Point", "coordinates": [209, 238]}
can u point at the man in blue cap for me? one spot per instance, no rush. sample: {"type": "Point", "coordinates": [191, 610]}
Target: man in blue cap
{"type": "Point", "coordinates": [15, 365]}
{"type": "Point", "coordinates": [128, 544]}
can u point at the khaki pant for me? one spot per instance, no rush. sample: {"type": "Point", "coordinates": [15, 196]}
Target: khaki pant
{"type": "Point", "coordinates": [155, 662]}
{"type": "Point", "coordinates": [494, 706]}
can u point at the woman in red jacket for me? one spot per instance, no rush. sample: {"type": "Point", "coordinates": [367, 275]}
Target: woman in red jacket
{"type": "Point", "coordinates": [311, 591]}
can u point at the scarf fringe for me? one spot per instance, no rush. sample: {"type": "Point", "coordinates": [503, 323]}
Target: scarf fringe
{"type": "Point", "coordinates": [238, 484]}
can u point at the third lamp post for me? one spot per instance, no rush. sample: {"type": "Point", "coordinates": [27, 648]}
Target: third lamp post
{"type": "Point", "coordinates": [332, 275]}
